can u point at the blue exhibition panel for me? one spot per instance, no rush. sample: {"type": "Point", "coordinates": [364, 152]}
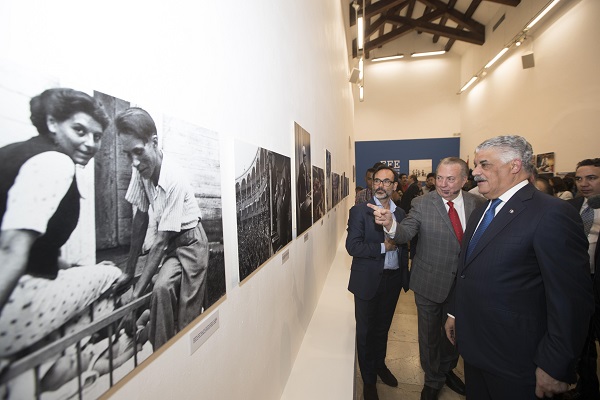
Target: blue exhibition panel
{"type": "Point", "coordinates": [398, 153]}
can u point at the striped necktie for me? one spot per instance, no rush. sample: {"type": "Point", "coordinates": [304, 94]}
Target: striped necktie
{"type": "Point", "coordinates": [588, 219]}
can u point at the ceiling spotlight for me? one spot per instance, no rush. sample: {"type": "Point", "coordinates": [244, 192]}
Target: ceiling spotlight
{"type": "Point", "coordinates": [468, 84]}
{"type": "Point", "coordinates": [360, 69]}
{"type": "Point", "coordinates": [545, 11]}
{"type": "Point", "coordinates": [493, 60]}
{"type": "Point", "coordinates": [428, 53]}
{"type": "Point", "coordinates": [388, 58]}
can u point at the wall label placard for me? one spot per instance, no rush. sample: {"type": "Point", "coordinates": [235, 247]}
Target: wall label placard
{"type": "Point", "coordinates": [285, 256]}
{"type": "Point", "coordinates": [203, 331]}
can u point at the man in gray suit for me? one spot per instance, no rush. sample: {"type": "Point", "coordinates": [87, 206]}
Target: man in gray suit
{"type": "Point", "coordinates": [439, 217]}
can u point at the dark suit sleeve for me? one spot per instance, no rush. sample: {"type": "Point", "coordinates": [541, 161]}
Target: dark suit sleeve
{"type": "Point", "coordinates": [356, 245]}
{"type": "Point", "coordinates": [408, 196]}
{"type": "Point", "coordinates": [562, 252]}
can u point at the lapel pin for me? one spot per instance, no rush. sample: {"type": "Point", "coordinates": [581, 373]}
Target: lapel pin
{"type": "Point", "coordinates": [511, 211]}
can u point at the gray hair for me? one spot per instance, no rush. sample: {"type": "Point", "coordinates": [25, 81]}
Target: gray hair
{"type": "Point", "coordinates": [512, 147]}
{"type": "Point", "coordinates": [464, 169]}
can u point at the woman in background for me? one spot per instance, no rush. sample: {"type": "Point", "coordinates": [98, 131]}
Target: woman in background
{"type": "Point", "coordinates": [560, 188]}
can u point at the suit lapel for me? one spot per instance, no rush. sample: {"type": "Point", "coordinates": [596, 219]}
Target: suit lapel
{"type": "Point", "coordinates": [469, 205]}
{"type": "Point", "coordinates": [378, 228]}
{"type": "Point", "coordinates": [439, 205]}
{"type": "Point", "coordinates": [505, 216]}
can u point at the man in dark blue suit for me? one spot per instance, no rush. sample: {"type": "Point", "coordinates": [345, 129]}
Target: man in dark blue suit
{"type": "Point", "coordinates": [587, 178]}
{"type": "Point", "coordinates": [379, 271]}
{"type": "Point", "coordinates": [523, 296]}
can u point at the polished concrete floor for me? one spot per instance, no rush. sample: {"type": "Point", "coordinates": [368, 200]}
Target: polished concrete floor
{"type": "Point", "coordinates": [403, 358]}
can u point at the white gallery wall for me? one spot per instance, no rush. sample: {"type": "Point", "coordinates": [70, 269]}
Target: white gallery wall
{"type": "Point", "coordinates": [247, 70]}
{"type": "Point", "coordinates": [555, 105]}
{"type": "Point", "coordinates": [409, 99]}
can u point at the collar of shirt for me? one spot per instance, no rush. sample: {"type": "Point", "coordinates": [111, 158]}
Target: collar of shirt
{"type": "Point", "coordinates": [506, 196]}
{"type": "Point", "coordinates": [584, 205]}
{"type": "Point", "coordinates": [392, 206]}
{"type": "Point", "coordinates": [151, 189]}
{"type": "Point", "coordinates": [459, 206]}
{"type": "Point", "coordinates": [165, 169]}
{"type": "Point", "coordinates": [457, 202]}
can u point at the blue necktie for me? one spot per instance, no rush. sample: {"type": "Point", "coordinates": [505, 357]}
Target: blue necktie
{"type": "Point", "coordinates": [588, 219]}
{"type": "Point", "coordinates": [487, 218]}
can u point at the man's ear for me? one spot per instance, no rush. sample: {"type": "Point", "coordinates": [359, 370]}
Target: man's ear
{"type": "Point", "coordinates": [155, 140]}
{"type": "Point", "coordinates": [516, 166]}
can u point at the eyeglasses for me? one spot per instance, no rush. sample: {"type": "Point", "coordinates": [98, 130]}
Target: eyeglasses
{"type": "Point", "coordinates": [386, 182]}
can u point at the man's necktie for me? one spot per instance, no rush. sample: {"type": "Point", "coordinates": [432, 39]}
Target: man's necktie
{"type": "Point", "coordinates": [588, 219]}
{"type": "Point", "coordinates": [455, 221]}
{"type": "Point", "coordinates": [487, 218]}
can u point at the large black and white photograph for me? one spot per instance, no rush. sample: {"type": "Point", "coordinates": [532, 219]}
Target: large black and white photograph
{"type": "Point", "coordinates": [303, 180]}
{"type": "Point", "coordinates": [111, 218]}
{"type": "Point", "coordinates": [328, 190]}
{"type": "Point", "coordinates": [263, 205]}
{"type": "Point", "coordinates": [318, 193]}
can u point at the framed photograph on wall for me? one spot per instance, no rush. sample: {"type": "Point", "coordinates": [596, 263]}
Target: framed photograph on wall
{"type": "Point", "coordinates": [119, 244]}
{"type": "Point", "coordinates": [263, 205]}
{"type": "Point", "coordinates": [318, 193]}
{"type": "Point", "coordinates": [303, 180]}
{"type": "Point", "coordinates": [328, 187]}
{"type": "Point", "coordinates": [545, 163]}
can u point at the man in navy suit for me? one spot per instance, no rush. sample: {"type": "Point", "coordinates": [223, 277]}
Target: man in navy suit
{"type": "Point", "coordinates": [523, 296]}
{"type": "Point", "coordinates": [587, 179]}
{"type": "Point", "coordinates": [379, 271]}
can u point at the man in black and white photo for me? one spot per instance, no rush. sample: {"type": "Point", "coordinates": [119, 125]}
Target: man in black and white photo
{"type": "Point", "coordinates": [162, 197]}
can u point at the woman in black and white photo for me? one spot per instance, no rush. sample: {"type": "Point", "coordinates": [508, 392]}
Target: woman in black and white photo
{"type": "Point", "coordinates": [39, 209]}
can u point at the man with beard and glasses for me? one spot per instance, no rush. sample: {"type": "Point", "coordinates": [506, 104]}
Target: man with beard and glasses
{"type": "Point", "coordinates": [379, 271]}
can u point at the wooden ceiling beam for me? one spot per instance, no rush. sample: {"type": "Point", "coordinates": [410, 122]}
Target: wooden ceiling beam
{"type": "Point", "coordinates": [512, 3]}
{"type": "Point", "coordinates": [465, 22]}
{"type": "Point", "coordinates": [456, 15]}
{"type": "Point", "coordinates": [453, 33]}
{"type": "Point", "coordinates": [383, 5]}
{"type": "Point", "coordinates": [411, 9]}
{"type": "Point", "coordinates": [374, 27]}
{"type": "Point", "coordinates": [444, 19]}
{"type": "Point", "coordinates": [388, 37]}
{"type": "Point", "coordinates": [467, 29]}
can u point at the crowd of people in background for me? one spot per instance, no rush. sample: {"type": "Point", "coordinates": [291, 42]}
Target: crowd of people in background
{"type": "Point", "coordinates": [254, 239]}
{"type": "Point", "coordinates": [563, 187]}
